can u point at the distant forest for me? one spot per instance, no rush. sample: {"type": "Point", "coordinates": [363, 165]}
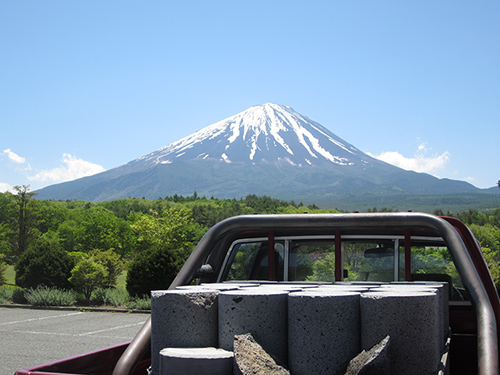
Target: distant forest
{"type": "Point", "coordinates": [130, 227]}
{"type": "Point", "coordinates": [120, 224]}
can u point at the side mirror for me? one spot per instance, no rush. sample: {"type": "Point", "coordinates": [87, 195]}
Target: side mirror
{"type": "Point", "coordinates": [205, 270]}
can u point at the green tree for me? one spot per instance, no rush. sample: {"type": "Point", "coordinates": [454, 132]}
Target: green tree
{"type": "Point", "coordinates": [77, 256]}
{"type": "Point", "coordinates": [172, 230]}
{"type": "Point", "coordinates": [323, 269]}
{"type": "Point", "coordinates": [4, 240]}
{"type": "Point", "coordinates": [154, 269]}
{"type": "Point", "coordinates": [112, 262]}
{"type": "Point", "coordinates": [22, 228]}
{"type": "Point", "coordinates": [87, 276]}
{"type": "Point", "coordinates": [165, 244]}
{"type": "Point", "coordinates": [69, 234]}
{"type": "Point", "coordinates": [44, 263]}
{"type": "Point", "coordinates": [491, 258]}
{"type": "Point", "coordinates": [486, 234]}
{"type": "Point", "coordinates": [51, 214]}
{"type": "Point", "coordinates": [98, 228]}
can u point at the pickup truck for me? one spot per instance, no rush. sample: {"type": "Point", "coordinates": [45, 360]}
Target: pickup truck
{"type": "Point", "coordinates": [332, 248]}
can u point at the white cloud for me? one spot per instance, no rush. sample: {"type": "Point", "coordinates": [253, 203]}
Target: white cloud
{"type": "Point", "coordinates": [14, 157]}
{"type": "Point", "coordinates": [74, 168]}
{"type": "Point", "coordinates": [5, 187]}
{"type": "Point", "coordinates": [420, 162]}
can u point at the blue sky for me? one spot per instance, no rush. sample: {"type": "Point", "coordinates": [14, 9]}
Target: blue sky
{"type": "Point", "coordinates": [87, 86]}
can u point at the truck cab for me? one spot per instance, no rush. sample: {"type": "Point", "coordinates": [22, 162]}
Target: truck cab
{"type": "Point", "coordinates": [336, 248]}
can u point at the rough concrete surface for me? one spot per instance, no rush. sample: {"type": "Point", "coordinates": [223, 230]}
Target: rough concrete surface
{"type": "Point", "coordinates": [261, 312]}
{"type": "Point", "coordinates": [323, 331]}
{"type": "Point", "coordinates": [411, 319]}
{"type": "Point", "coordinates": [182, 319]}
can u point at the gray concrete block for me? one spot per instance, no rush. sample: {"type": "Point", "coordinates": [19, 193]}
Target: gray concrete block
{"type": "Point", "coordinates": [259, 311]}
{"type": "Point", "coordinates": [411, 319]}
{"type": "Point", "coordinates": [376, 361]}
{"type": "Point", "coordinates": [444, 291]}
{"type": "Point", "coordinates": [443, 294]}
{"type": "Point", "coordinates": [251, 359]}
{"type": "Point", "coordinates": [323, 331]}
{"type": "Point", "coordinates": [199, 361]}
{"type": "Point", "coordinates": [182, 318]}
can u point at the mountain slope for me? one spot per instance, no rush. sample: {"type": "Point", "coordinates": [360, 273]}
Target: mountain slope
{"type": "Point", "coordinates": [269, 133]}
{"type": "Point", "coordinates": [265, 150]}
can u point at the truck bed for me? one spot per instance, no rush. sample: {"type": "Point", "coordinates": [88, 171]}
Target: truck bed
{"type": "Point", "coordinates": [101, 361]}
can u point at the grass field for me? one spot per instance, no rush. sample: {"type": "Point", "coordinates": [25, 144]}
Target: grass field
{"type": "Point", "coordinates": [121, 282]}
{"type": "Point", "coordinates": [10, 275]}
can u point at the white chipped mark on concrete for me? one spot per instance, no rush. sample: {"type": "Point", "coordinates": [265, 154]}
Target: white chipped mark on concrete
{"type": "Point", "coordinates": [203, 300]}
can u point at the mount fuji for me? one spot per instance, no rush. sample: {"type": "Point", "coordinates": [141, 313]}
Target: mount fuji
{"type": "Point", "coordinates": [270, 134]}
{"type": "Point", "coordinates": [265, 150]}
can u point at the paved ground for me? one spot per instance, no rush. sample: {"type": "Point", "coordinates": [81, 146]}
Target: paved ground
{"type": "Point", "coordinates": [31, 337]}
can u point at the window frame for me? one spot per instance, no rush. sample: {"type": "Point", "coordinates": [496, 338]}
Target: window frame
{"type": "Point", "coordinates": [398, 241]}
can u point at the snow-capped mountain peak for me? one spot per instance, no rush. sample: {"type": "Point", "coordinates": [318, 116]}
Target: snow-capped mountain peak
{"type": "Point", "coordinates": [265, 150]}
{"type": "Point", "coordinates": [269, 133]}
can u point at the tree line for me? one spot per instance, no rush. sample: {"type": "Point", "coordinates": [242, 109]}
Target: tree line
{"type": "Point", "coordinates": [85, 245]}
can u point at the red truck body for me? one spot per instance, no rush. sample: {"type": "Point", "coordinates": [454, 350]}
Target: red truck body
{"type": "Point", "coordinates": [473, 320]}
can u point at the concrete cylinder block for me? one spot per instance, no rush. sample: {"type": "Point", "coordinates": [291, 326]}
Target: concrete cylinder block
{"type": "Point", "coordinates": [199, 361]}
{"type": "Point", "coordinates": [442, 291]}
{"type": "Point", "coordinates": [259, 311]}
{"type": "Point", "coordinates": [323, 331]}
{"type": "Point", "coordinates": [411, 319]}
{"type": "Point", "coordinates": [182, 318]}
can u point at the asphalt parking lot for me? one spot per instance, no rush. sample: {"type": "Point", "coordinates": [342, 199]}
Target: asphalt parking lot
{"type": "Point", "coordinates": [30, 337]}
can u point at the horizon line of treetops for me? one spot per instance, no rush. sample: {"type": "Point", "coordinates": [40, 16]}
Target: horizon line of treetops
{"type": "Point", "coordinates": [78, 238]}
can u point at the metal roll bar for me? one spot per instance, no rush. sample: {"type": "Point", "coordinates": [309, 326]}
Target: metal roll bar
{"type": "Point", "coordinates": [486, 319]}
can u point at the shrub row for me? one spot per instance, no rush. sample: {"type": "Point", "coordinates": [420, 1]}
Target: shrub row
{"type": "Point", "coordinates": [10, 293]}
{"type": "Point", "coordinates": [45, 296]}
{"type": "Point", "coordinates": [51, 296]}
{"type": "Point", "coordinates": [49, 265]}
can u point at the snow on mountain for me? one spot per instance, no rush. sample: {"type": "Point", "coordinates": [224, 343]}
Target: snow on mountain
{"type": "Point", "coordinates": [268, 133]}
{"type": "Point", "coordinates": [266, 150]}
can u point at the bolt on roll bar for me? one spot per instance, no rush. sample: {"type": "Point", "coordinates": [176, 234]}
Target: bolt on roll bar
{"type": "Point", "coordinates": [486, 318]}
